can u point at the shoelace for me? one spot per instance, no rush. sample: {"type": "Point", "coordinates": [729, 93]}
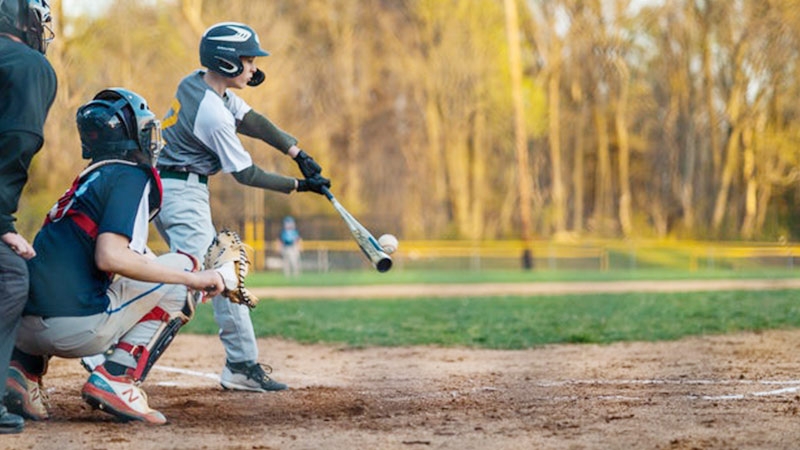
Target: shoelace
{"type": "Point", "coordinates": [259, 370]}
{"type": "Point", "coordinates": [45, 396]}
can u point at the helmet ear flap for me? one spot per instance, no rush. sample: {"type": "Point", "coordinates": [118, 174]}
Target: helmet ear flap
{"type": "Point", "coordinates": [257, 79]}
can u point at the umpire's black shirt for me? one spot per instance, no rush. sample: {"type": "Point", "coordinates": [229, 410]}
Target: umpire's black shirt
{"type": "Point", "coordinates": [27, 90]}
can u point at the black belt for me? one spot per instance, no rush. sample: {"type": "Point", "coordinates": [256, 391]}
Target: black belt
{"type": "Point", "coordinates": [181, 175]}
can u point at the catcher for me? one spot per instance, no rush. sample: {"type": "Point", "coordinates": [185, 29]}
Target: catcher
{"type": "Point", "coordinates": [92, 287]}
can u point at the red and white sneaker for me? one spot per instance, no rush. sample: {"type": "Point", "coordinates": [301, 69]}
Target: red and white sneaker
{"type": "Point", "coordinates": [119, 396]}
{"type": "Point", "coordinates": [24, 393]}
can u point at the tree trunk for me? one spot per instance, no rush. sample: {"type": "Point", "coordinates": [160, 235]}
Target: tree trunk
{"type": "Point", "coordinates": [732, 149]}
{"type": "Point", "coordinates": [554, 118]}
{"type": "Point", "coordinates": [603, 195]}
{"type": "Point", "coordinates": [750, 203]}
{"type": "Point", "coordinates": [578, 176]}
{"type": "Point", "coordinates": [192, 12]}
{"type": "Point", "coordinates": [520, 135]}
{"type": "Point", "coordinates": [708, 83]}
{"type": "Point", "coordinates": [478, 185]}
{"type": "Point", "coordinates": [621, 123]}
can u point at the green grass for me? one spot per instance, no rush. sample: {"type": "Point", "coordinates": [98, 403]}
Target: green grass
{"type": "Point", "coordinates": [518, 322]}
{"type": "Point", "coordinates": [505, 276]}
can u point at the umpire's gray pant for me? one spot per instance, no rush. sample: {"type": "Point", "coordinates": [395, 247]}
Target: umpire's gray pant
{"type": "Point", "coordinates": [13, 295]}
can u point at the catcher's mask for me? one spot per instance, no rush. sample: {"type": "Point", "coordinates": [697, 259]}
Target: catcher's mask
{"type": "Point", "coordinates": [224, 44]}
{"type": "Point", "coordinates": [118, 124]}
{"type": "Point", "coordinates": [28, 20]}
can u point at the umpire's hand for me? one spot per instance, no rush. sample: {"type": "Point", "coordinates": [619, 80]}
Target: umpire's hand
{"type": "Point", "coordinates": [18, 243]}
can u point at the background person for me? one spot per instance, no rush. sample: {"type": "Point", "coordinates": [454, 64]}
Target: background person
{"type": "Point", "coordinates": [290, 244]}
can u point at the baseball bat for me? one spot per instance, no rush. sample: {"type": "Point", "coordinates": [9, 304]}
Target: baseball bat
{"type": "Point", "coordinates": [366, 242]}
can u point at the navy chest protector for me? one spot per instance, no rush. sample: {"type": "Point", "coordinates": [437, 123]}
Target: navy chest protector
{"type": "Point", "coordinates": [64, 207]}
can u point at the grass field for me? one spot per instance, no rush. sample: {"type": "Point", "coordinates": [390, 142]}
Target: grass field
{"type": "Point", "coordinates": [518, 322]}
{"type": "Point", "coordinates": [362, 277]}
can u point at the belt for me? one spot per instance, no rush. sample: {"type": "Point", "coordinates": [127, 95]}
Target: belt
{"type": "Point", "coordinates": [181, 175]}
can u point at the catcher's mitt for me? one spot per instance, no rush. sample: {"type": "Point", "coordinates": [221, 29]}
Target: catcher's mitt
{"type": "Point", "coordinates": [228, 256]}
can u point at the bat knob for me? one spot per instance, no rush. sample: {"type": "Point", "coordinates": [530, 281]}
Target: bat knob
{"type": "Point", "coordinates": [384, 265]}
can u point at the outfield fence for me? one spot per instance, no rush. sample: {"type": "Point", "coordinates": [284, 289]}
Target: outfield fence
{"type": "Point", "coordinates": [603, 255]}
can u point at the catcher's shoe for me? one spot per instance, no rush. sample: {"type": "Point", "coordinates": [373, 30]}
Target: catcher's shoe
{"type": "Point", "coordinates": [119, 396]}
{"type": "Point", "coordinates": [24, 393]}
{"type": "Point", "coordinates": [249, 376]}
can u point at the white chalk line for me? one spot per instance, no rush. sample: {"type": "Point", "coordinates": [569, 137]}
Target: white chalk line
{"type": "Point", "coordinates": [586, 382]}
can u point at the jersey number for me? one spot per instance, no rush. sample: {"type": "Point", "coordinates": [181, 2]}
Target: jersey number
{"type": "Point", "coordinates": [172, 116]}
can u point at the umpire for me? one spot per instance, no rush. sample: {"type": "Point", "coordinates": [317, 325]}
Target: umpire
{"type": "Point", "coordinates": [27, 90]}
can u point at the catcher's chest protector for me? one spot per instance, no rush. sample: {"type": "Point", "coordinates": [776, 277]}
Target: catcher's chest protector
{"type": "Point", "coordinates": [64, 207]}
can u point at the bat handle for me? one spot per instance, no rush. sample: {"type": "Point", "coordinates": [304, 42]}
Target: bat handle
{"type": "Point", "coordinates": [327, 193]}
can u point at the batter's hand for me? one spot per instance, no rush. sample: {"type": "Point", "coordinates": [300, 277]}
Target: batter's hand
{"type": "Point", "coordinates": [19, 245]}
{"type": "Point", "coordinates": [307, 165]}
{"type": "Point", "coordinates": [208, 281]}
{"type": "Point", "coordinates": [313, 184]}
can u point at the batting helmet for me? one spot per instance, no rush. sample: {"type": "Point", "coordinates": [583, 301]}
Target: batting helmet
{"type": "Point", "coordinates": [224, 43]}
{"type": "Point", "coordinates": [28, 20]}
{"type": "Point", "coordinates": [117, 124]}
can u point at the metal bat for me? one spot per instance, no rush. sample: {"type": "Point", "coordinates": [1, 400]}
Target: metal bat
{"type": "Point", "coordinates": [368, 244]}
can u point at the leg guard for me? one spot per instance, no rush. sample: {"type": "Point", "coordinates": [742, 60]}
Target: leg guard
{"type": "Point", "coordinates": [147, 355]}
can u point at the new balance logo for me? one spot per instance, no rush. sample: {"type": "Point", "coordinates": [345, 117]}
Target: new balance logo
{"type": "Point", "coordinates": [241, 35]}
{"type": "Point", "coordinates": [131, 393]}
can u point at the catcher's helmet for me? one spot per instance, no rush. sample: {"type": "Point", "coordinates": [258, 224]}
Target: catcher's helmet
{"type": "Point", "coordinates": [28, 20]}
{"type": "Point", "coordinates": [224, 43]}
{"type": "Point", "coordinates": [118, 124]}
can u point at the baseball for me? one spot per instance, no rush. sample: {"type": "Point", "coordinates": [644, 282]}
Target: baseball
{"type": "Point", "coordinates": [389, 243]}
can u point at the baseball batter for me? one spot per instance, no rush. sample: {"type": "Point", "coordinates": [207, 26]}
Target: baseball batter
{"type": "Point", "coordinates": [201, 139]}
{"type": "Point", "coordinates": [27, 90]}
{"type": "Point", "coordinates": [107, 293]}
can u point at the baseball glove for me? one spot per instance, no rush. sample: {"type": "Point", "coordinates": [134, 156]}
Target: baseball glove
{"type": "Point", "coordinates": [228, 256]}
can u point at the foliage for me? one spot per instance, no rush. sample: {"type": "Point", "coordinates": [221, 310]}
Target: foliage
{"type": "Point", "coordinates": [643, 118]}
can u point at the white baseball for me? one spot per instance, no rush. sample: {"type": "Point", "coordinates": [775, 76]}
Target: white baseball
{"type": "Point", "coordinates": [389, 243]}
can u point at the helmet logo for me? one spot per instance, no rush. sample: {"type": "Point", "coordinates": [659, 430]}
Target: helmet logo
{"type": "Point", "coordinates": [242, 35]}
{"type": "Point", "coordinates": [232, 68]}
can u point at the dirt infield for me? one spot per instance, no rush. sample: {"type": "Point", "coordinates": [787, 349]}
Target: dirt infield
{"type": "Point", "coordinates": [735, 391]}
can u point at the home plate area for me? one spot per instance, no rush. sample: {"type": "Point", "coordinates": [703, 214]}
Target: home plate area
{"type": "Point", "coordinates": [726, 391]}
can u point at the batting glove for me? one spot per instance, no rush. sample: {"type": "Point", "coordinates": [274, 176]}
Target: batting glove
{"type": "Point", "coordinates": [307, 165]}
{"type": "Point", "coordinates": [313, 184]}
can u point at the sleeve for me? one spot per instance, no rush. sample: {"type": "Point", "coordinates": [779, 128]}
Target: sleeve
{"type": "Point", "coordinates": [17, 151]}
{"type": "Point", "coordinates": [257, 177]}
{"type": "Point", "coordinates": [122, 203]}
{"type": "Point", "coordinates": [215, 127]}
{"type": "Point", "coordinates": [257, 126]}
{"type": "Point", "coordinates": [236, 105]}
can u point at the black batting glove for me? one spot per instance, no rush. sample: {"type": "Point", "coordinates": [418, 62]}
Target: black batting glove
{"type": "Point", "coordinates": [307, 165]}
{"type": "Point", "coordinates": [313, 184]}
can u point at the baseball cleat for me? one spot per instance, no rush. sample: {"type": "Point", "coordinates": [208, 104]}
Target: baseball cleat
{"type": "Point", "coordinates": [24, 394]}
{"type": "Point", "coordinates": [249, 376]}
{"type": "Point", "coordinates": [119, 396]}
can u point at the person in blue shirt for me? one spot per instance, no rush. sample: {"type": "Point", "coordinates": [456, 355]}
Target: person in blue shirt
{"type": "Point", "coordinates": [290, 247]}
{"type": "Point", "coordinates": [93, 285]}
{"type": "Point", "coordinates": [27, 89]}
